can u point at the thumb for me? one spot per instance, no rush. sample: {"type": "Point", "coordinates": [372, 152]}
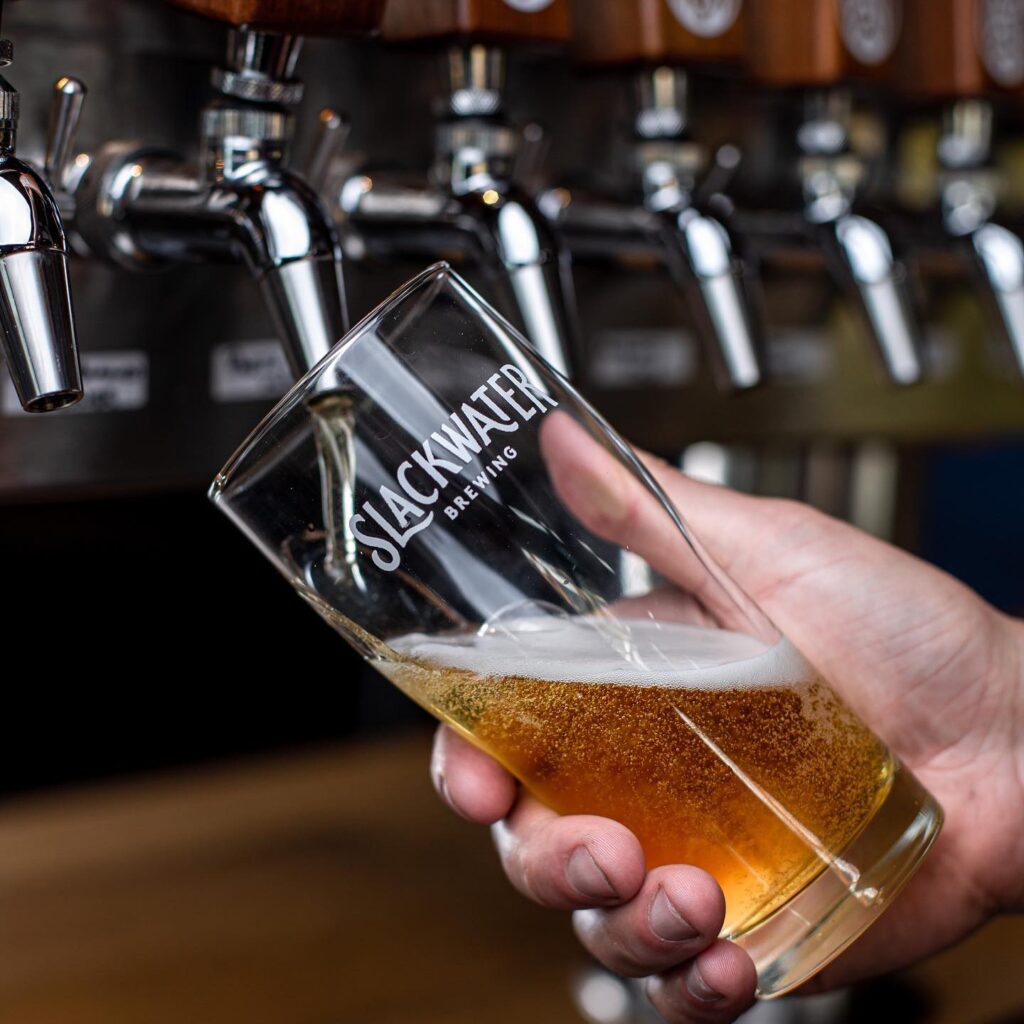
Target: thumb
{"type": "Point", "coordinates": [610, 499]}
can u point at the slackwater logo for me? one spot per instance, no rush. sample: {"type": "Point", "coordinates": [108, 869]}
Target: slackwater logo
{"type": "Point", "coordinates": [529, 6]}
{"type": "Point", "coordinates": [871, 28]}
{"type": "Point", "coordinates": [706, 18]}
{"type": "Point", "coordinates": [497, 409]}
{"type": "Point", "coordinates": [1002, 40]}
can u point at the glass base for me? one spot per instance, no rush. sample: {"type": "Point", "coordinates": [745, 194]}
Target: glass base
{"type": "Point", "coordinates": [817, 924]}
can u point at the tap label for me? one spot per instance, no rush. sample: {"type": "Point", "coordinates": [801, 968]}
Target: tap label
{"type": "Point", "coordinates": [528, 6]}
{"type": "Point", "coordinates": [707, 18]}
{"type": "Point", "coordinates": [870, 28]}
{"type": "Point", "coordinates": [1001, 39]}
{"type": "Point", "coordinates": [453, 467]}
{"type": "Point", "coordinates": [249, 371]}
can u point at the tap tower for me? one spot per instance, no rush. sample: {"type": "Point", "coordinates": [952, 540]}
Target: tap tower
{"type": "Point", "coordinates": [817, 56]}
{"type": "Point", "coordinates": [660, 42]}
{"type": "Point", "coordinates": [471, 200]}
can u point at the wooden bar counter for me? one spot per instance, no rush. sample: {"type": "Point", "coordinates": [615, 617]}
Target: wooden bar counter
{"type": "Point", "coordinates": [311, 888]}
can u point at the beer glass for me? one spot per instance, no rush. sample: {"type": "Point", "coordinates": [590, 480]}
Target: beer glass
{"type": "Point", "coordinates": [459, 514]}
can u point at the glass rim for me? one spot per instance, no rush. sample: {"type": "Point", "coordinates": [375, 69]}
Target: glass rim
{"type": "Point", "coordinates": [232, 473]}
{"type": "Point", "coordinates": [437, 270]}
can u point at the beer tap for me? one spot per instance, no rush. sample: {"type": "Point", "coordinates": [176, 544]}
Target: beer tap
{"type": "Point", "coordinates": [969, 202]}
{"type": "Point", "coordinates": [146, 208]}
{"type": "Point", "coordinates": [673, 174]}
{"type": "Point", "coordinates": [37, 326]}
{"type": "Point", "coordinates": [471, 202]}
{"type": "Point", "coordinates": [811, 51]}
{"type": "Point", "coordinates": [959, 55]}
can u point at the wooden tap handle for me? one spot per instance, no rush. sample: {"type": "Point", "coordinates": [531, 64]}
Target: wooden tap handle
{"type": "Point", "coordinates": [658, 31]}
{"type": "Point", "coordinates": [522, 21]}
{"type": "Point", "coordinates": [810, 43]}
{"type": "Point", "coordinates": [959, 48]}
{"type": "Point", "coordinates": [303, 17]}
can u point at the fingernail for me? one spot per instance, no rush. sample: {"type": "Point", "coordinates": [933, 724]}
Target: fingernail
{"type": "Point", "coordinates": [586, 877]}
{"type": "Point", "coordinates": [666, 922]}
{"type": "Point", "coordinates": [699, 988]}
{"type": "Point", "coordinates": [604, 495]}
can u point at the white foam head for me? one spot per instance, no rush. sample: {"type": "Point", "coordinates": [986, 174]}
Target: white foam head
{"type": "Point", "coordinates": [594, 649]}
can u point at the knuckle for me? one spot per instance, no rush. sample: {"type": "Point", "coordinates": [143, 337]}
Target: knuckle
{"type": "Point", "coordinates": [794, 517]}
{"type": "Point", "coordinates": [539, 880]}
{"type": "Point", "coordinates": [518, 869]}
{"type": "Point", "coordinates": [627, 955]}
{"type": "Point", "coordinates": [622, 960]}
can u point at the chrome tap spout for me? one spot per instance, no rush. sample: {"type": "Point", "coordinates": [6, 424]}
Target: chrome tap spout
{"type": "Point", "coordinates": [699, 255]}
{"type": "Point", "coordinates": [860, 256]}
{"type": "Point", "coordinates": [266, 218]}
{"type": "Point", "coordinates": [515, 236]}
{"type": "Point", "coordinates": [37, 328]}
{"type": "Point", "coordinates": [472, 205]}
{"type": "Point", "coordinates": [993, 254]}
{"type": "Point", "coordinates": [146, 208]}
{"type": "Point", "coordinates": [999, 265]}
{"type": "Point", "coordinates": [36, 323]}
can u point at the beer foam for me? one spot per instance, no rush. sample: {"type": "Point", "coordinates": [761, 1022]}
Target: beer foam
{"type": "Point", "coordinates": [592, 649]}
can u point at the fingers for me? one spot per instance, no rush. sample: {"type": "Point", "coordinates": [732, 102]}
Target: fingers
{"type": "Point", "coordinates": [714, 988]}
{"type": "Point", "coordinates": [668, 933]}
{"type": "Point", "coordinates": [568, 862]}
{"type": "Point", "coordinates": [677, 914]}
{"type": "Point", "coordinates": [472, 784]}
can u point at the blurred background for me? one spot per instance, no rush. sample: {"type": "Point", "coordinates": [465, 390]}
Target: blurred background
{"type": "Point", "coordinates": [775, 241]}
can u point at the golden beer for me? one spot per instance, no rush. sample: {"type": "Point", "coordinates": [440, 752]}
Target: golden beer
{"type": "Point", "coordinates": [711, 747]}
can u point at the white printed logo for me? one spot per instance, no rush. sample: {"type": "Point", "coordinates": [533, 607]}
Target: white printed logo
{"type": "Point", "coordinates": [706, 18]}
{"type": "Point", "coordinates": [1002, 40]}
{"type": "Point", "coordinates": [460, 447]}
{"type": "Point", "coordinates": [529, 6]}
{"type": "Point", "coordinates": [871, 28]}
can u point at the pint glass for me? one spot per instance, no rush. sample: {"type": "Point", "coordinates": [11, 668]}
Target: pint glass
{"type": "Point", "coordinates": [463, 518]}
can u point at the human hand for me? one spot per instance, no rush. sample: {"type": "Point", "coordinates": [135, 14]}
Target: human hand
{"type": "Point", "coordinates": [934, 670]}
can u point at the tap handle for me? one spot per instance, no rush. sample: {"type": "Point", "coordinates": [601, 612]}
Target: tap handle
{"type": "Point", "coordinates": [332, 132]}
{"type": "Point", "coordinates": [531, 157]}
{"type": "Point", "coordinates": [65, 115]}
{"type": "Point", "coordinates": [724, 165]}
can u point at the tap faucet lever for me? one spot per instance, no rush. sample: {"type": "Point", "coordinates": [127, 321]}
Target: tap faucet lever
{"type": "Point", "coordinates": [332, 131]}
{"type": "Point", "coordinates": [65, 115]}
